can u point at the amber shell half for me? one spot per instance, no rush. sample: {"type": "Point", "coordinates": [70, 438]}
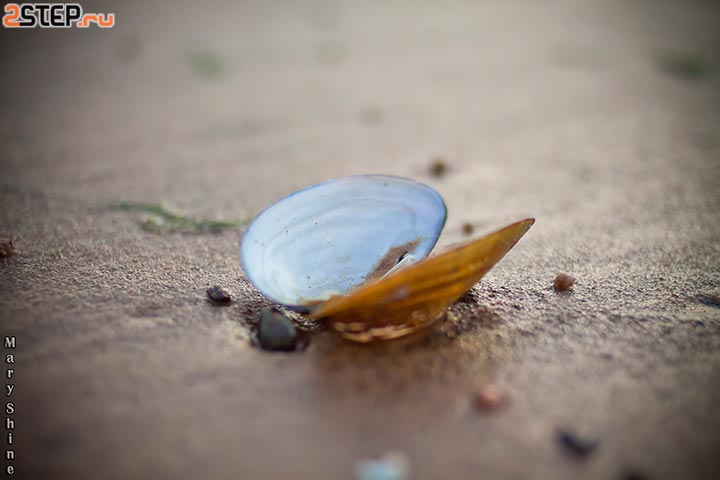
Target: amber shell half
{"type": "Point", "coordinates": [413, 298]}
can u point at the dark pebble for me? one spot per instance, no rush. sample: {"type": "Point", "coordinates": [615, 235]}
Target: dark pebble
{"type": "Point", "coordinates": [6, 249]}
{"type": "Point", "coordinates": [219, 295]}
{"type": "Point", "coordinates": [709, 300]}
{"type": "Point", "coordinates": [576, 445]}
{"type": "Point", "coordinates": [275, 331]}
{"type": "Point", "coordinates": [634, 475]}
{"type": "Point", "coordinates": [438, 168]}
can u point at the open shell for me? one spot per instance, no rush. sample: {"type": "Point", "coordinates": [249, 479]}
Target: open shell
{"type": "Point", "coordinates": [352, 252]}
{"type": "Point", "coordinates": [332, 237]}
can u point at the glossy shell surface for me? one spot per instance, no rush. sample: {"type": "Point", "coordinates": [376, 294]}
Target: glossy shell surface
{"type": "Point", "coordinates": [330, 238]}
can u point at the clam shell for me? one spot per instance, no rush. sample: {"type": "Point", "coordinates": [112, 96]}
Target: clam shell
{"type": "Point", "coordinates": [335, 236]}
{"type": "Point", "coordinates": [413, 298]}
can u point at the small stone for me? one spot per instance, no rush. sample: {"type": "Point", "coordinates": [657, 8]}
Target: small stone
{"type": "Point", "coordinates": [488, 399]}
{"type": "Point", "coordinates": [709, 300]}
{"type": "Point", "coordinates": [6, 249]}
{"type": "Point", "coordinates": [219, 295]}
{"type": "Point", "coordinates": [129, 49]}
{"type": "Point", "coordinates": [576, 445]}
{"type": "Point", "coordinates": [563, 282]}
{"type": "Point", "coordinates": [371, 116]}
{"type": "Point", "coordinates": [438, 168]}
{"type": "Point", "coordinates": [275, 331]}
{"type": "Point", "coordinates": [634, 475]}
{"type": "Point", "coordinates": [468, 228]}
{"type": "Point", "coordinates": [392, 466]}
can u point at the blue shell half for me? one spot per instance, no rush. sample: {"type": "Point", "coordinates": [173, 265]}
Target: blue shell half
{"type": "Point", "coordinates": [332, 237]}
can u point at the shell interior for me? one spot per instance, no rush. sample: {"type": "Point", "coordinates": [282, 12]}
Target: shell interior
{"type": "Point", "coordinates": [332, 237]}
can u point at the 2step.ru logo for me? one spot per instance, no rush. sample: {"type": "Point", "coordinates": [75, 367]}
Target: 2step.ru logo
{"type": "Point", "coordinates": [53, 15]}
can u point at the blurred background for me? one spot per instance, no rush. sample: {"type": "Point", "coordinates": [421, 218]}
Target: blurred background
{"type": "Point", "coordinates": [599, 118]}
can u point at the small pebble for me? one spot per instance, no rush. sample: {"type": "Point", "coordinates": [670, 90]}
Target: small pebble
{"type": "Point", "coordinates": [392, 466]}
{"type": "Point", "coordinates": [275, 331]}
{"type": "Point", "coordinates": [563, 282]}
{"type": "Point", "coordinates": [634, 475]}
{"type": "Point", "coordinates": [6, 249]}
{"type": "Point", "coordinates": [129, 49]}
{"type": "Point", "coordinates": [488, 399]}
{"type": "Point", "coordinates": [219, 295]}
{"type": "Point", "coordinates": [576, 445]}
{"type": "Point", "coordinates": [709, 300]}
{"type": "Point", "coordinates": [371, 116]}
{"type": "Point", "coordinates": [468, 229]}
{"type": "Point", "coordinates": [438, 168]}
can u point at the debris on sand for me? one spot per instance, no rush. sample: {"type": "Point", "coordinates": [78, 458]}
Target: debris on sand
{"type": "Point", "coordinates": [684, 65]}
{"type": "Point", "coordinates": [391, 466]}
{"type": "Point", "coordinates": [563, 282]}
{"type": "Point", "coordinates": [128, 49]}
{"type": "Point", "coordinates": [709, 300]}
{"type": "Point", "coordinates": [488, 399]}
{"type": "Point", "coordinates": [576, 445]}
{"type": "Point", "coordinates": [468, 229]}
{"type": "Point", "coordinates": [219, 295]}
{"type": "Point", "coordinates": [161, 220]}
{"type": "Point", "coordinates": [370, 116]}
{"type": "Point", "coordinates": [439, 167]}
{"type": "Point", "coordinates": [275, 331]}
{"type": "Point", "coordinates": [7, 249]}
{"type": "Point", "coordinates": [205, 63]}
{"type": "Point", "coordinates": [634, 475]}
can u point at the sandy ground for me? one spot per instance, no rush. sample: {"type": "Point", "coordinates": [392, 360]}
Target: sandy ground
{"type": "Point", "coordinates": [599, 118]}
